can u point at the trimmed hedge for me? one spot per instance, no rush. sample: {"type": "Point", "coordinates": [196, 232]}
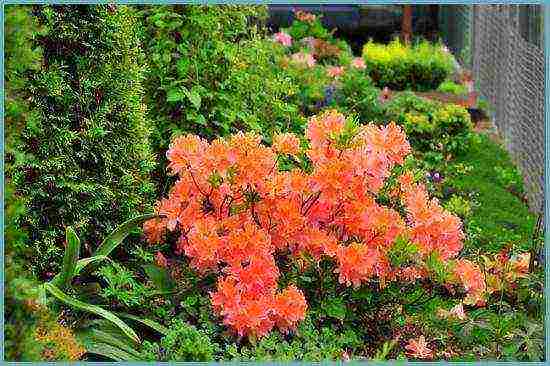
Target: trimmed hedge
{"type": "Point", "coordinates": [87, 156]}
{"type": "Point", "coordinates": [420, 67]}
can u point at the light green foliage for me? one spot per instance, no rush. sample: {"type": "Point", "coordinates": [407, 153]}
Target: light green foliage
{"type": "Point", "coordinates": [308, 344]}
{"type": "Point", "coordinates": [422, 66]}
{"type": "Point", "coordinates": [459, 206]}
{"type": "Point", "coordinates": [431, 126]}
{"type": "Point", "coordinates": [85, 141]}
{"type": "Point", "coordinates": [449, 86]}
{"type": "Point", "coordinates": [122, 287]}
{"type": "Point", "coordinates": [182, 343]}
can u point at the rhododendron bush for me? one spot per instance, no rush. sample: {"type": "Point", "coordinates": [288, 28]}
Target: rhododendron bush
{"type": "Point", "coordinates": [235, 210]}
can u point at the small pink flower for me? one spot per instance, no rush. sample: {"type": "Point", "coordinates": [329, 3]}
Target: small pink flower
{"type": "Point", "coordinates": [283, 38]}
{"type": "Point", "coordinates": [335, 71]}
{"type": "Point", "coordinates": [304, 59]}
{"type": "Point", "coordinates": [358, 63]}
{"type": "Point", "coordinates": [418, 348]}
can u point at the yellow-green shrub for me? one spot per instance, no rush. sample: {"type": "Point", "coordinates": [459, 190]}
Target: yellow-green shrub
{"type": "Point", "coordinates": [422, 66]}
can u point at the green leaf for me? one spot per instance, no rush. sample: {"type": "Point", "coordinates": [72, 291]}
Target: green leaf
{"type": "Point", "coordinates": [113, 339]}
{"type": "Point", "coordinates": [159, 276]}
{"type": "Point", "coordinates": [119, 234]}
{"type": "Point", "coordinates": [147, 322]}
{"type": "Point", "coordinates": [194, 97]}
{"type": "Point", "coordinates": [71, 257]}
{"type": "Point", "coordinates": [108, 351]}
{"type": "Point", "coordinates": [80, 265]}
{"type": "Point", "coordinates": [174, 95]}
{"type": "Point", "coordinates": [335, 308]}
{"type": "Point", "coordinates": [77, 304]}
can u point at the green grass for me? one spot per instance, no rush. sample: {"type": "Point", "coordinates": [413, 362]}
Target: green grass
{"type": "Point", "coordinates": [500, 217]}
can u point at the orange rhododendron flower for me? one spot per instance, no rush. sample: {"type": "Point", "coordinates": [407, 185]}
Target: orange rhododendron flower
{"type": "Point", "coordinates": [286, 143]}
{"type": "Point", "coordinates": [470, 276]}
{"type": "Point", "coordinates": [418, 348]}
{"type": "Point", "coordinates": [235, 211]}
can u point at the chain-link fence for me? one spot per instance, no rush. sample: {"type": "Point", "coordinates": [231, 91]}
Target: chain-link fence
{"type": "Point", "coordinates": [502, 45]}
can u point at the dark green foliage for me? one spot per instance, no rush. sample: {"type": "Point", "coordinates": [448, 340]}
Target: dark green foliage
{"type": "Point", "coordinates": [183, 343]}
{"type": "Point", "coordinates": [85, 140]}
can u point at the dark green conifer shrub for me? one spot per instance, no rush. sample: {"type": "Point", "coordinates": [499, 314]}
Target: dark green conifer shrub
{"type": "Point", "coordinates": [85, 140]}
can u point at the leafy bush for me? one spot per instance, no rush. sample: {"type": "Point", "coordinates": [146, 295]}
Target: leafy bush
{"type": "Point", "coordinates": [85, 140]}
{"type": "Point", "coordinates": [212, 74]}
{"type": "Point", "coordinates": [20, 58]}
{"type": "Point", "coordinates": [182, 343]}
{"type": "Point", "coordinates": [358, 95]}
{"type": "Point", "coordinates": [240, 212]}
{"type": "Point", "coordinates": [451, 87]}
{"type": "Point", "coordinates": [307, 25]}
{"type": "Point", "coordinates": [313, 83]}
{"type": "Point", "coordinates": [420, 67]}
{"type": "Point", "coordinates": [445, 129]}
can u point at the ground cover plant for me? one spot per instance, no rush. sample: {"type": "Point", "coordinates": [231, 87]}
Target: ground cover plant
{"type": "Point", "coordinates": [267, 198]}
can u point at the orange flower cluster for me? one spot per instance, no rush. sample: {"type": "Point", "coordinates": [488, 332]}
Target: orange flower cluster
{"type": "Point", "coordinates": [500, 273]}
{"type": "Point", "coordinates": [235, 210]}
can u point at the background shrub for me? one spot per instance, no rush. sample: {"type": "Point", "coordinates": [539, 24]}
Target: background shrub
{"type": "Point", "coordinates": [358, 95]}
{"type": "Point", "coordinates": [419, 67]}
{"type": "Point", "coordinates": [431, 126]}
{"type": "Point", "coordinates": [212, 72]}
{"type": "Point", "coordinates": [85, 141]}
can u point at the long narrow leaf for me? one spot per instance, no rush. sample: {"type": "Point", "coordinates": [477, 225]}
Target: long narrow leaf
{"type": "Point", "coordinates": [119, 234]}
{"type": "Point", "coordinates": [60, 295]}
{"type": "Point", "coordinates": [99, 336]}
{"type": "Point", "coordinates": [147, 322]}
{"type": "Point", "coordinates": [109, 351]}
{"type": "Point", "coordinates": [80, 265]}
{"type": "Point", "coordinates": [72, 250]}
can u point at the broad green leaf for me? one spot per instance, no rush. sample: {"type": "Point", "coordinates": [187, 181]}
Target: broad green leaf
{"type": "Point", "coordinates": [147, 322]}
{"type": "Point", "coordinates": [77, 304]}
{"type": "Point", "coordinates": [119, 234]}
{"type": "Point", "coordinates": [335, 308]}
{"type": "Point", "coordinates": [81, 264]}
{"type": "Point", "coordinates": [159, 276]}
{"type": "Point", "coordinates": [72, 250]}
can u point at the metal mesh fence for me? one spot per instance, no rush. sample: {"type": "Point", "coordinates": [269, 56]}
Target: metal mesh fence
{"type": "Point", "coordinates": [502, 44]}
